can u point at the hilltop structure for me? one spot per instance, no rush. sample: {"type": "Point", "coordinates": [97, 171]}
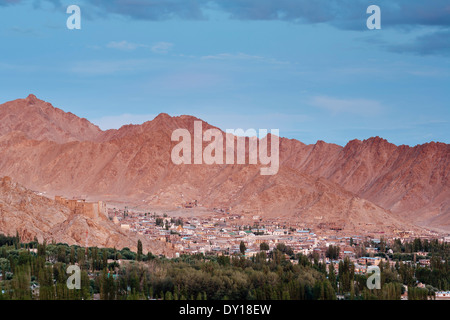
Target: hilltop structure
{"type": "Point", "coordinates": [92, 210]}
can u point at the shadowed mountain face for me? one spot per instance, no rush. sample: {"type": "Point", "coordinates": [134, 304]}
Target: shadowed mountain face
{"type": "Point", "coordinates": [366, 183]}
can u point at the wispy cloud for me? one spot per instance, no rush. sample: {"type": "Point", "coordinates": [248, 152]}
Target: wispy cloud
{"type": "Point", "coordinates": [151, 10]}
{"type": "Point", "coordinates": [162, 47]}
{"type": "Point", "coordinates": [125, 45]}
{"type": "Point", "coordinates": [24, 31]}
{"type": "Point", "coordinates": [158, 47]}
{"type": "Point", "coordinates": [242, 56]}
{"type": "Point", "coordinates": [230, 56]}
{"type": "Point", "coordinates": [9, 2]}
{"type": "Point", "coordinates": [363, 107]}
{"type": "Point", "coordinates": [187, 81]}
{"type": "Point", "coordinates": [437, 42]}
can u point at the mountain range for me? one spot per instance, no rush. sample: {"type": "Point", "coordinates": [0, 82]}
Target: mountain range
{"type": "Point", "coordinates": [369, 185]}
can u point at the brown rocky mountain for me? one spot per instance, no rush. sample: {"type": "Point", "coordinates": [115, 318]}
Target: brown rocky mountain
{"type": "Point", "coordinates": [413, 182]}
{"type": "Point", "coordinates": [369, 184]}
{"type": "Point", "coordinates": [33, 216]}
{"type": "Point", "coordinates": [39, 120]}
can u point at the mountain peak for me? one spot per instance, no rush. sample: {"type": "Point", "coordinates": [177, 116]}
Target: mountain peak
{"type": "Point", "coordinates": [163, 115]}
{"type": "Point", "coordinates": [39, 120]}
{"type": "Point", "coordinates": [376, 139]}
{"type": "Point", "coordinates": [32, 99]}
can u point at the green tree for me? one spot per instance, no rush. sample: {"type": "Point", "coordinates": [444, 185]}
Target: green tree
{"type": "Point", "coordinates": [4, 265]}
{"type": "Point", "coordinates": [333, 252]}
{"type": "Point", "coordinates": [72, 255]}
{"type": "Point", "coordinates": [46, 287]}
{"type": "Point", "coordinates": [139, 250]}
{"type": "Point", "coordinates": [107, 286]}
{"type": "Point", "coordinates": [21, 283]}
{"type": "Point", "coordinates": [332, 276]}
{"type": "Point", "coordinates": [242, 247]}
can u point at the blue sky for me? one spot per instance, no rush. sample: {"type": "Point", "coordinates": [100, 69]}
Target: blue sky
{"type": "Point", "coordinates": [309, 68]}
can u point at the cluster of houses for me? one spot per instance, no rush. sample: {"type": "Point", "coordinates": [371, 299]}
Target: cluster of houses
{"type": "Point", "coordinates": [222, 234]}
{"type": "Point", "coordinates": [217, 234]}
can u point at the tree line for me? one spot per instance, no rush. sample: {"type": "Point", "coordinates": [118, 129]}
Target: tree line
{"type": "Point", "coordinates": [38, 271]}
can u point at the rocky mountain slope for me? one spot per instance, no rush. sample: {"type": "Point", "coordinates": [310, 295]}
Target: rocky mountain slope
{"type": "Point", "coordinates": [321, 183]}
{"type": "Point", "coordinates": [413, 182]}
{"type": "Point", "coordinates": [31, 215]}
{"type": "Point", "coordinates": [39, 120]}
